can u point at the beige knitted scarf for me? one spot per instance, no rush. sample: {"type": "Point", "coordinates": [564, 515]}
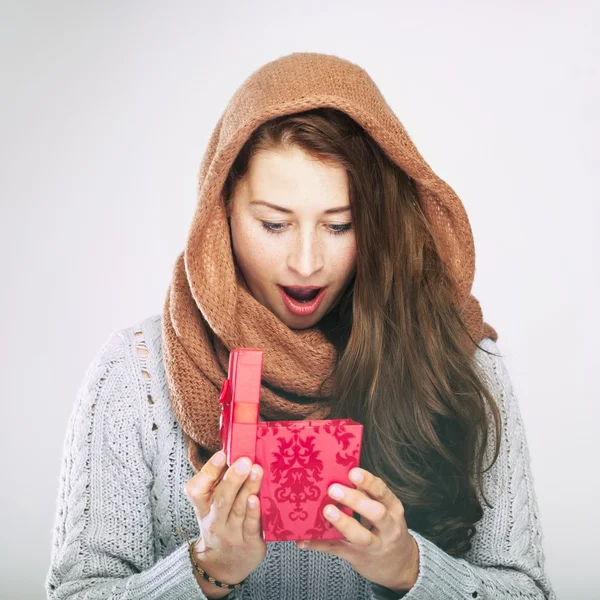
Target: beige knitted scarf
{"type": "Point", "coordinates": [209, 310]}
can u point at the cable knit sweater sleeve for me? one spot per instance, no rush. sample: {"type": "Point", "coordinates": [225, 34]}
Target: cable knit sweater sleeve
{"type": "Point", "coordinates": [103, 543]}
{"type": "Point", "coordinates": [506, 559]}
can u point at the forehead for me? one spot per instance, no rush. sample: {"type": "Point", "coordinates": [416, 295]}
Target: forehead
{"type": "Point", "coordinates": [289, 176]}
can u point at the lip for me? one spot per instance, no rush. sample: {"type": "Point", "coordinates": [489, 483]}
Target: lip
{"type": "Point", "coordinates": [299, 308]}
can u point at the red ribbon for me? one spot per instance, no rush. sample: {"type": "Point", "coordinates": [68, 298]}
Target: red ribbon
{"type": "Point", "coordinates": [225, 400]}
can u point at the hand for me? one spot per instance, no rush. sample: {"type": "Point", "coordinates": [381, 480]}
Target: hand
{"type": "Point", "coordinates": [231, 545]}
{"type": "Point", "coordinates": [379, 548]}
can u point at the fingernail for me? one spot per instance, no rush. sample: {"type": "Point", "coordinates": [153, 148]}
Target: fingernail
{"type": "Point", "coordinates": [336, 491]}
{"type": "Point", "coordinates": [251, 502]}
{"type": "Point", "coordinates": [243, 465]}
{"type": "Point", "coordinates": [219, 459]}
{"type": "Point", "coordinates": [254, 473]}
{"type": "Point", "coordinates": [356, 476]}
{"type": "Point", "coordinates": [303, 545]}
{"type": "Point", "coordinates": [332, 513]}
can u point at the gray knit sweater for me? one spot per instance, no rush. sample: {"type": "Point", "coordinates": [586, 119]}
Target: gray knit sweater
{"type": "Point", "coordinates": [121, 499]}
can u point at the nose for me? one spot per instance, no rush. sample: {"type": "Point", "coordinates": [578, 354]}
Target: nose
{"type": "Point", "coordinates": [306, 255]}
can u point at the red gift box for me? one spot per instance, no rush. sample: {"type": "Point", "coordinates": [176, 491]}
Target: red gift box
{"type": "Point", "coordinates": [300, 459]}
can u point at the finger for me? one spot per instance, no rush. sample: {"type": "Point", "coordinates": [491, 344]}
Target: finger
{"type": "Point", "coordinates": [377, 489]}
{"type": "Point", "coordinates": [376, 513]}
{"type": "Point", "coordinates": [252, 526]}
{"type": "Point", "coordinates": [351, 529]}
{"type": "Point", "coordinates": [200, 487]}
{"type": "Point", "coordinates": [251, 486]}
{"type": "Point", "coordinates": [227, 490]}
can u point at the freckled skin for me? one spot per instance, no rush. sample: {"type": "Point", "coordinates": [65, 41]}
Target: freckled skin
{"type": "Point", "coordinates": [306, 250]}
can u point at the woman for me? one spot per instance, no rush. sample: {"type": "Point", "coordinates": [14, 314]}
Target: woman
{"type": "Point", "coordinates": [309, 180]}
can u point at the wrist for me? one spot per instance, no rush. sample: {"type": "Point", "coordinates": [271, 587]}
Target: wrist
{"type": "Point", "coordinates": [206, 581]}
{"type": "Point", "coordinates": [211, 591]}
{"type": "Point", "coordinates": [412, 573]}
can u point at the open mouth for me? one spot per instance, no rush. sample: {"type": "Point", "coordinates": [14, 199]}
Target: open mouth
{"type": "Point", "coordinates": [302, 295]}
{"type": "Point", "coordinates": [302, 302]}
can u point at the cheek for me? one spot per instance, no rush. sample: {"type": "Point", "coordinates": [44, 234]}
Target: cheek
{"type": "Point", "coordinates": [256, 254]}
{"type": "Point", "coordinates": [345, 256]}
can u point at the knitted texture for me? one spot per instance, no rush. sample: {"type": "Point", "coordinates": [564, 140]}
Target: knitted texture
{"type": "Point", "coordinates": [121, 499]}
{"type": "Point", "coordinates": [208, 308]}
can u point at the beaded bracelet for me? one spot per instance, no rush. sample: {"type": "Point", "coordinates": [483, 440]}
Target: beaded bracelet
{"type": "Point", "coordinates": [202, 572]}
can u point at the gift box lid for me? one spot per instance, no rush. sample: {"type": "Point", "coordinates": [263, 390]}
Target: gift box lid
{"type": "Point", "coordinates": [240, 400]}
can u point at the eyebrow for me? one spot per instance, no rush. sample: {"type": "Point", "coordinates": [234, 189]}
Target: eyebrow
{"type": "Point", "coordinates": [329, 211]}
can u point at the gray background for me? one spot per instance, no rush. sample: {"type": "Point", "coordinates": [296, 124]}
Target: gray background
{"type": "Point", "coordinates": [106, 109]}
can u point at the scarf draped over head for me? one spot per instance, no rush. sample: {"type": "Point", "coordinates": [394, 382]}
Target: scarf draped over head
{"type": "Point", "coordinates": [209, 310]}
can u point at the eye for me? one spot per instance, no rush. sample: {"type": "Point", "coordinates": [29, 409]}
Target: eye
{"type": "Point", "coordinates": [271, 227]}
{"type": "Point", "coordinates": [342, 228]}
{"type": "Point", "coordinates": [278, 227]}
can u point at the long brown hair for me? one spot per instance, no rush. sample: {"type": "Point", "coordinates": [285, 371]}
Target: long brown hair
{"type": "Point", "coordinates": [403, 369]}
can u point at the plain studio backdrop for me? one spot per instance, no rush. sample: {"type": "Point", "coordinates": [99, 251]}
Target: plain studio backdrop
{"type": "Point", "coordinates": [106, 110]}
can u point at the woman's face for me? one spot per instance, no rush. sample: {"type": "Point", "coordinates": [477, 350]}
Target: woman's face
{"type": "Point", "coordinates": [299, 243]}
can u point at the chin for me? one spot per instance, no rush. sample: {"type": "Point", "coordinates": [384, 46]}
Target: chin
{"type": "Point", "coordinates": [301, 327]}
{"type": "Point", "coordinates": [301, 323]}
